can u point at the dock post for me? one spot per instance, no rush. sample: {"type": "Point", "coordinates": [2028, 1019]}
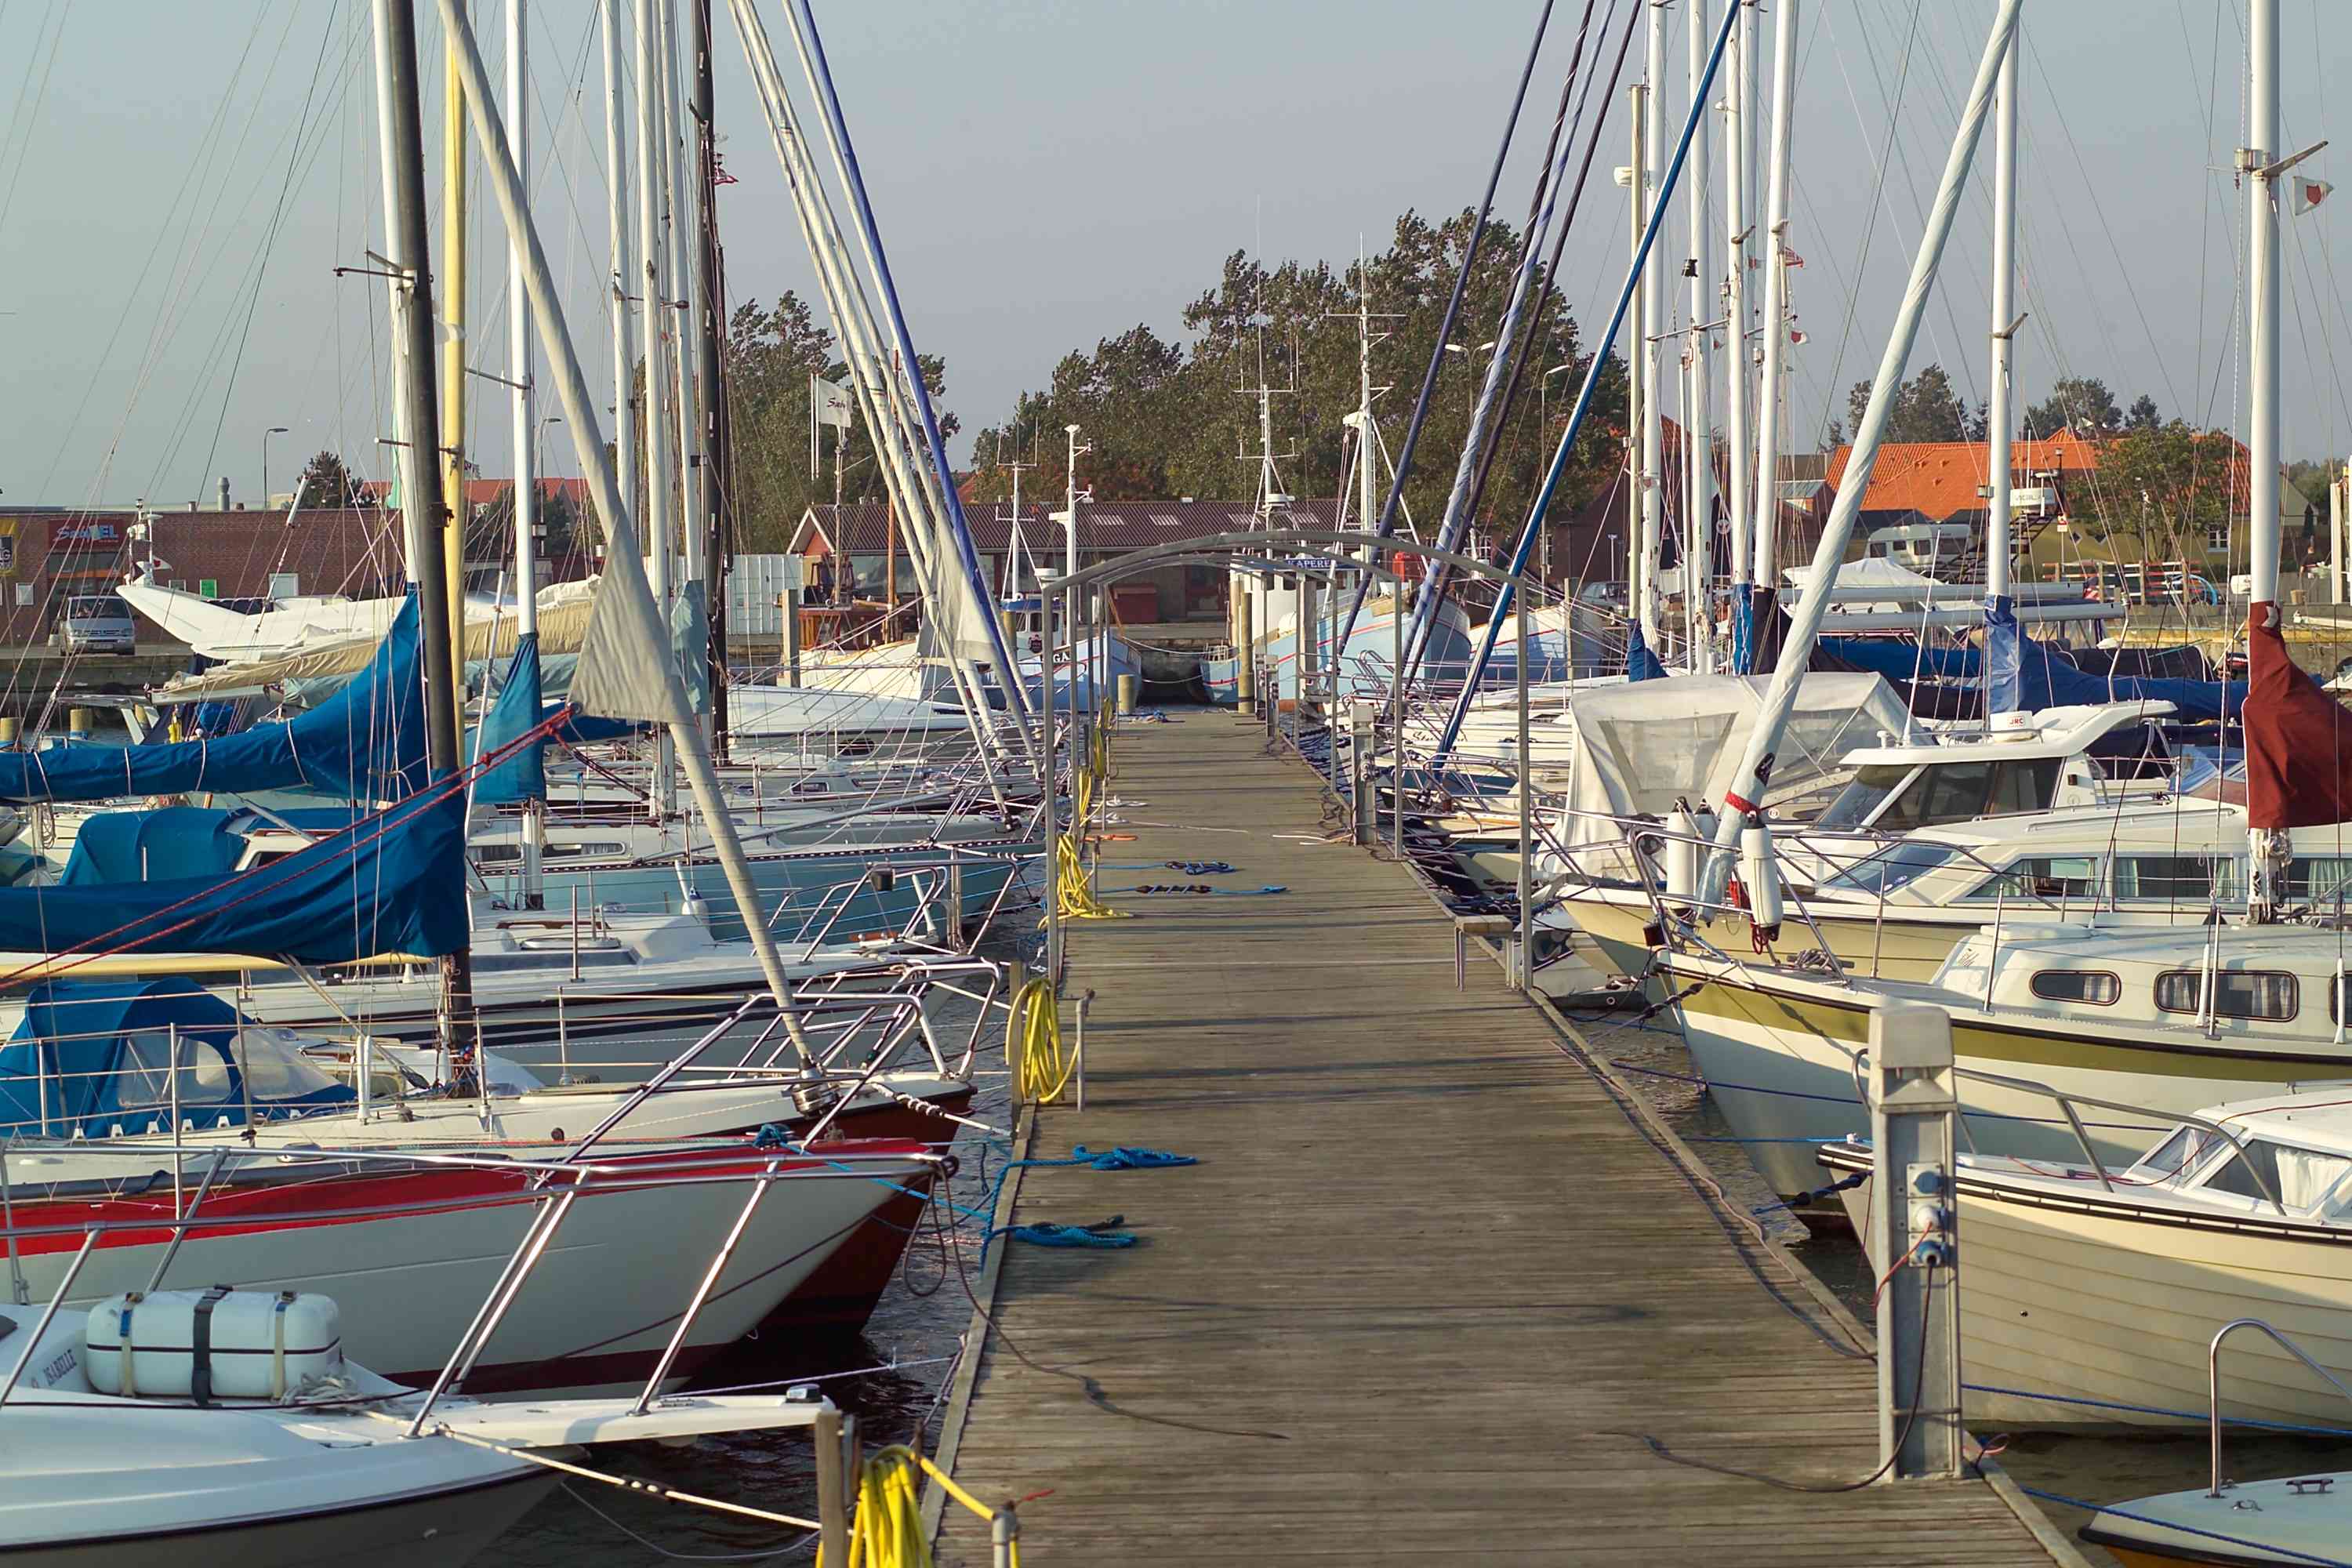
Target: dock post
{"type": "Point", "coordinates": [832, 1490]}
{"type": "Point", "coordinates": [1004, 1536]}
{"type": "Point", "coordinates": [1364, 810]}
{"type": "Point", "coordinates": [1915, 1222]}
{"type": "Point", "coordinates": [1050, 781]}
{"type": "Point", "coordinates": [1523, 935]}
{"type": "Point", "coordinates": [1244, 655]}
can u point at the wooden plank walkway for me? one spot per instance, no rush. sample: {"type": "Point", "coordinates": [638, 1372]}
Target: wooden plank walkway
{"type": "Point", "coordinates": [1427, 1276]}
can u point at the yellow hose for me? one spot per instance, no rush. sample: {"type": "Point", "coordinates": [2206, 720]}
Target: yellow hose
{"type": "Point", "coordinates": [1032, 1044]}
{"type": "Point", "coordinates": [888, 1530]}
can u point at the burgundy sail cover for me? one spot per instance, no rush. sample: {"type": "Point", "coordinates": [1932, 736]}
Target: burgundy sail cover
{"type": "Point", "coordinates": [2298, 737]}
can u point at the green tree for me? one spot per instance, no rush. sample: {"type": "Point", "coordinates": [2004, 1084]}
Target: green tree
{"type": "Point", "coordinates": [2143, 415]}
{"type": "Point", "coordinates": [1177, 418]}
{"type": "Point", "coordinates": [1925, 408]}
{"type": "Point", "coordinates": [2082, 404]}
{"type": "Point", "coordinates": [770, 354]}
{"type": "Point", "coordinates": [327, 481]}
{"type": "Point", "coordinates": [2166, 487]}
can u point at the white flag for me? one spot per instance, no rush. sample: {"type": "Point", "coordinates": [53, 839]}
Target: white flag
{"type": "Point", "coordinates": [2309, 194]}
{"type": "Point", "coordinates": [828, 405]}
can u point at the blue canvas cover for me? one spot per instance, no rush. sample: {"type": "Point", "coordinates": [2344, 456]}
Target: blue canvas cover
{"type": "Point", "coordinates": [1641, 664]}
{"type": "Point", "coordinates": [365, 742]}
{"type": "Point", "coordinates": [164, 845]}
{"type": "Point", "coordinates": [516, 713]}
{"type": "Point", "coordinates": [2046, 676]}
{"type": "Point", "coordinates": [91, 1057]}
{"type": "Point", "coordinates": [2004, 681]}
{"type": "Point", "coordinates": [393, 882]}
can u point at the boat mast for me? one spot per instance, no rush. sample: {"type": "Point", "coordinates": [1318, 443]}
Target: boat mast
{"type": "Point", "coordinates": [452, 362]}
{"type": "Point", "coordinates": [654, 295]}
{"type": "Point", "coordinates": [2001, 649]}
{"type": "Point", "coordinates": [1735, 99]}
{"type": "Point", "coordinates": [681, 208]}
{"type": "Point", "coordinates": [1745, 793]}
{"type": "Point", "coordinates": [616, 222]}
{"type": "Point", "coordinates": [1776, 326]}
{"type": "Point", "coordinates": [625, 597]}
{"type": "Point", "coordinates": [2260, 163]}
{"type": "Point", "coordinates": [523, 403]}
{"type": "Point", "coordinates": [710, 310]}
{"type": "Point", "coordinates": [1646, 349]}
{"type": "Point", "coordinates": [1698, 434]}
{"type": "Point", "coordinates": [1637, 382]}
{"type": "Point", "coordinates": [410, 252]}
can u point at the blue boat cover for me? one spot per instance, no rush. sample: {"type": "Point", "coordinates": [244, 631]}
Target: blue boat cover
{"type": "Point", "coordinates": [94, 1059]}
{"type": "Point", "coordinates": [365, 742]}
{"type": "Point", "coordinates": [164, 845]}
{"type": "Point", "coordinates": [392, 882]}
{"type": "Point", "coordinates": [1641, 664]}
{"type": "Point", "coordinates": [2004, 681]}
{"type": "Point", "coordinates": [2046, 676]}
{"type": "Point", "coordinates": [516, 713]}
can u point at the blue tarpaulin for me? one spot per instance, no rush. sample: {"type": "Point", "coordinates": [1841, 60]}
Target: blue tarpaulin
{"type": "Point", "coordinates": [2046, 676]}
{"type": "Point", "coordinates": [393, 882]}
{"type": "Point", "coordinates": [165, 845]}
{"type": "Point", "coordinates": [96, 1058]}
{"type": "Point", "coordinates": [516, 713]}
{"type": "Point", "coordinates": [366, 743]}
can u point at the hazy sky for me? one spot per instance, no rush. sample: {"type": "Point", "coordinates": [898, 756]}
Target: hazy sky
{"type": "Point", "coordinates": [177, 181]}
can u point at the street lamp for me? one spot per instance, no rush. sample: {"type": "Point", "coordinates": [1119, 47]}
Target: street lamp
{"type": "Point", "coordinates": [266, 435]}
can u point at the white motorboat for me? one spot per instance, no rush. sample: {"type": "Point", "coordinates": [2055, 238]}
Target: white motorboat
{"type": "Point", "coordinates": [2100, 1288]}
{"type": "Point", "coordinates": [2170, 1018]}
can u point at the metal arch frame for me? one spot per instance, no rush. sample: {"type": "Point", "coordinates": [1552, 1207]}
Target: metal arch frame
{"type": "Point", "coordinates": [1239, 549]}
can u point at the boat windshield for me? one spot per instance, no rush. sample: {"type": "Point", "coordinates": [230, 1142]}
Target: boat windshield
{"type": "Point", "coordinates": [1897, 865]}
{"type": "Point", "coordinates": [1863, 794]}
{"type": "Point", "coordinates": [2176, 1156]}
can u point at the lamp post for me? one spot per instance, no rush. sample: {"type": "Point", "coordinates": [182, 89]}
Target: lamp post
{"type": "Point", "coordinates": [266, 435]}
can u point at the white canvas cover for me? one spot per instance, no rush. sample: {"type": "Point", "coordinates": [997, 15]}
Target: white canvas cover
{"type": "Point", "coordinates": [1870, 571]}
{"type": "Point", "coordinates": [1642, 745]}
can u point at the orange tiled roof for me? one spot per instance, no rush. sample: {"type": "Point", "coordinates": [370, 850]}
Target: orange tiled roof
{"type": "Point", "coordinates": [1938, 478]}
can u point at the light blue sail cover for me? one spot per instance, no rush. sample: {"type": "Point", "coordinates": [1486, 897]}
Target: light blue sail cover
{"type": "Point", "coordinates": [89, 1057]}
{"type": "Point", "coordinates": [516, 713]}
{"type": "Point", "coordinates": [392, 882]}
{"type": "Point", "coordinates": [366, 743]}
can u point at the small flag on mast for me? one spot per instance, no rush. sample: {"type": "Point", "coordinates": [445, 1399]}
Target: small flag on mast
{"type": "Point", "coordinates": [2309, 194]}
{"type": "Point", "coordinates": [828, 405]}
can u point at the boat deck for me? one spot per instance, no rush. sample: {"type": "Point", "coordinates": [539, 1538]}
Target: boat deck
{"type": "Point", "coordinates": [1431, 1278]}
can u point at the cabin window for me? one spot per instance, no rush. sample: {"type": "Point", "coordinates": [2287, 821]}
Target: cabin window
{"type": "Point", "coordinates": [2045, 877]}
{"type": "Point", "coordinates": [2297, 1178]}
{"type": "Point", "coordinates": [583, 851]}
{"type": "Point", "coordinates": [2173, 879]}
{"type": "Point", "coordinates": [2096, 987]}
{"type": "Point", "coordinates": [1894, 866]}
{"type": "Point", "coordinates": [2265, 994]}
{"type": "Point", "coordinates": [2026, 786]}
{"type": "Point", "coordinates": [1952, 791]}
{"type": "Point", "coordinates": [497, 854]}
{"type": "Point", "coordinates": [2315, 879]}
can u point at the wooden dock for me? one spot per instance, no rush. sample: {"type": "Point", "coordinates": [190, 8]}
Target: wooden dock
{"type": "Point", "coordinates": [1431, 1279]}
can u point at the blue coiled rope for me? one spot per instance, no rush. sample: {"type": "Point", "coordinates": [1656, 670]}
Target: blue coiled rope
{"type": "Point", "coordinates": [1104, 1235]}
